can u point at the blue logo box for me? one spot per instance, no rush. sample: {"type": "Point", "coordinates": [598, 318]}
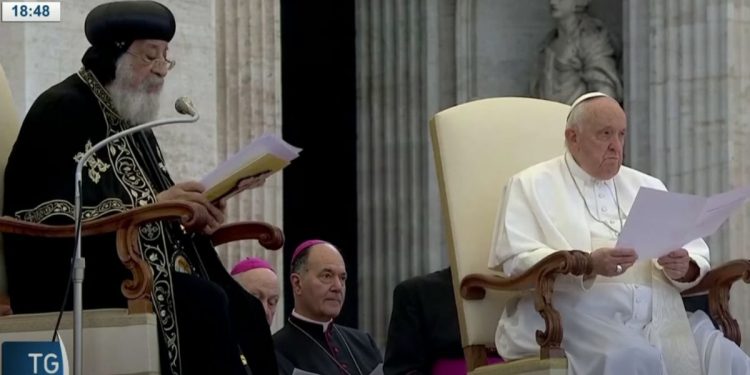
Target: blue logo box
{"type": "Point", "coordinates": [32, 358]}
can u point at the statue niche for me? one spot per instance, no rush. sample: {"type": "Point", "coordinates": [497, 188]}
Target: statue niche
{"type": "Point", "coordinates": [577, 57]}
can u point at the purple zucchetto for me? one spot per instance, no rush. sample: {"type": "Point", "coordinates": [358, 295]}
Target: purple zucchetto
{"type": "Point", "coordinates": [304, 246]}
{"type": "Point", "coordinates": [251, 263]}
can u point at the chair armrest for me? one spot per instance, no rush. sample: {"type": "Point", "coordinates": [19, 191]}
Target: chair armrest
{"type": "Point", "coordinates": [718, 282]}
{"type": "Point", "coordinates": [108, 224]}
{"type": "Point", "coordinates": [269, 236]}
{"type": "Point", "coordinates": [126, 225]}
{"type": "Point", "coordinates": [541, 279]}
{"type": "Point", "coordinates": [138, 289]}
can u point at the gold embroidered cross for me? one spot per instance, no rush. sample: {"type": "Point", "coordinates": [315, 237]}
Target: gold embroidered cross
{"type": "Point", "coordinates": [94, 164]}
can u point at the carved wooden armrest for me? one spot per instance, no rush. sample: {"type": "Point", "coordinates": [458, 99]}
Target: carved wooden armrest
{"type": "Point", "coordinates": [269, 236]}
{"type": "Point", "coordinates": [718, 282]}
{"type": "Point", "coordinates": [138, 289]}
{"type": "Point", "coordinates": [108, 224]}
{"type": "Point", "coordinates": [540, 278]}
{"type": "Point", "coordinates": [126, 225]}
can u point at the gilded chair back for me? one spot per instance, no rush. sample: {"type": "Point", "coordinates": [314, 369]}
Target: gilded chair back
{"type": "Point", "coordinates": [478, 146]}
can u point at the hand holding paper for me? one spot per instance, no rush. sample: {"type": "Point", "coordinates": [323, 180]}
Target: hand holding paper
{"type": "Point", "coordinates": [264, 156]}
{"type": "Point", "coordinates": [676, 264]}
{"type": "Point", "coordinates": [661, 221]}
{"type": "Point", "coordinates": [247, 183]}
{"type": "Point", "coordinates": [192, 191]}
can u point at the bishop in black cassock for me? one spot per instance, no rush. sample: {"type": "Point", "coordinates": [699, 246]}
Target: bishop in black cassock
{"type": "Point", "coordinates": [310, 340]}
{"type": "Point", "coordinates": [424, 325]}
{"type": "Point", "coordinates": [206, 319]}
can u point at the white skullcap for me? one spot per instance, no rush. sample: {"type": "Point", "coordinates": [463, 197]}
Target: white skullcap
{"type": "Point", "coordinates": [585, 97]}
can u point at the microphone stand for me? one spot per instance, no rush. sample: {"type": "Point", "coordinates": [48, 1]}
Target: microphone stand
{"type": "Point", "coordinates": [79, 263]}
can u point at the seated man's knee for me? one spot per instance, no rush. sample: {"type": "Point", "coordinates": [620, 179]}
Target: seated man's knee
{"type": "Point", "coordinates": [638, 359]}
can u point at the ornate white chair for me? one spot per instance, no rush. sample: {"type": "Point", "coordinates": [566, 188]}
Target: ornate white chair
{"type": "Point", "coordinates": [116, 341]}
{"type": "Point", "coordinates": [478, 146]}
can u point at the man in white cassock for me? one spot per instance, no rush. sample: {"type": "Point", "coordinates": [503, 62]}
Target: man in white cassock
{"type": "Point", "coordinates": [627, 316]}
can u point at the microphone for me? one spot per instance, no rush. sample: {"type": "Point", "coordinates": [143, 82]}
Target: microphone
{"type": "Point", "coordinates": [183, 105]}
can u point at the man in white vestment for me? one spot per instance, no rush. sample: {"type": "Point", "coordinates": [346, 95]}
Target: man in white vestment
{"type": "Point", "coordinates": [627, 316]}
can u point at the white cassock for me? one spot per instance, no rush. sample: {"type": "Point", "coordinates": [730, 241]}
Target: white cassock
{"type": "Point", "coordinates": [634, 323]}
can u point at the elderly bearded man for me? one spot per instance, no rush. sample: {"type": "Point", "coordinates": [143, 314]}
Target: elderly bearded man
{"type": "Point", "coordinates": [627, 316]}
{"type": "Point", "coordinates": [206, 319]}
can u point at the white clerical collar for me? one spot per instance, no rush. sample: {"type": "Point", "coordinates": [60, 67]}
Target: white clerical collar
{"type": "Point", "coordinates": [579, 173]}
{"type": "Point", "coordinates": [306, 319]}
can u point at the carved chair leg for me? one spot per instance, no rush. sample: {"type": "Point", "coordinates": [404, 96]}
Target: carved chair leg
{"type": "Point", "coordinates": [576, 263]}
{"type": "Point", "coordinates": [718, 305]}
{"type": "Point", "coordinates": [476, 355]}
{"type": "Point", "coordinates": [549, 340]}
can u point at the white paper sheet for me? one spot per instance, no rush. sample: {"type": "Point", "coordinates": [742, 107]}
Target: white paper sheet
{"type": "Point", "coordinates": [661, 221]}
{"type": "Point", "coordinates": [266, 143]}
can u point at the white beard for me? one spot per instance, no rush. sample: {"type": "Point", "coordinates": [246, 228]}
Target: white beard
{"type": "Point", "coordinates": [135, 105]}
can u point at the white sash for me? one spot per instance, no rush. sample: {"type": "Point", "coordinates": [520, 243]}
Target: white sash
{"type": "Point", "coordinates": [669, 329]}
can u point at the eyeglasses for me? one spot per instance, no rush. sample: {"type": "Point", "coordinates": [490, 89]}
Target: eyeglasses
{"type": "Point", "coordinates": [158, 62]}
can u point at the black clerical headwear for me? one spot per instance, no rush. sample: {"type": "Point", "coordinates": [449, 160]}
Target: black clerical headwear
{"type": "Point", "coordinates": [112, 27]}
{"type": "Point", "coordinates": [113, 24]}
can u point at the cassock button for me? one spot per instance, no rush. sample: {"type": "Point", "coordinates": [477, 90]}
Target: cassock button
{"type": "Point", "coordinates": [336, 350]}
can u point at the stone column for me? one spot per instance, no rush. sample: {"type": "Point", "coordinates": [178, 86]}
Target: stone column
{"type": "Point", "coordinates": [687, 87]}
{"type": "Point", "coordinates": [400, 84]}
{"type": "Point", "coordinates": [248, 73]}
{"type": "Point", "coordinates": [737, 146]}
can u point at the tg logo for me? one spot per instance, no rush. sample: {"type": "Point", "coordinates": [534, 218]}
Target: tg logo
{"type": "Point", "coordinates": [33, 358]}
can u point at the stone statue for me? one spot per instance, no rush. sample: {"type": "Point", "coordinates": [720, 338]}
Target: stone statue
{"type": "Point", "coordinates": [579, 56]}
